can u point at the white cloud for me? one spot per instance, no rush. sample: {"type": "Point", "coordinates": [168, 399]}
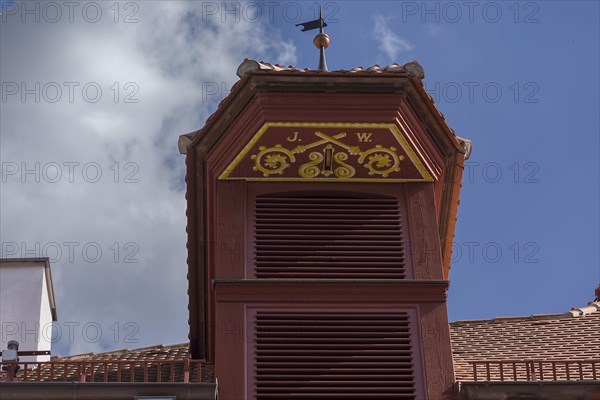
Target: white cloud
{"type": "Point", "coordinates": [151, 74]}
{"type": "Point", "coordinates": [287, 53]}
{"type": "Point", "coordinates": [389, 43]}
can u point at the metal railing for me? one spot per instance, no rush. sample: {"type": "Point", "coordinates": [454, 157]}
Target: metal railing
{"type": "Point", "coordinates": [134, 371]}
{"type": "Point", "coordinates": [536, 370]}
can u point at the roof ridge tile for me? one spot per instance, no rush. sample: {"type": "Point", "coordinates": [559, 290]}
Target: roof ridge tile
{"type": "Point", "coordinates": [592, 307]}
{"type": "Point", "coordinates": [412, 68]}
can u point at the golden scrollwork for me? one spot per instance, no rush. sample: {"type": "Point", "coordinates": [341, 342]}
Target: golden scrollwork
{"type": "Point", "coordinates": [272, 160]}
{"type": "Point", "coordinates": [382, 160]}
{"type": "Point", "coordinates": [311, 169]}
{"type": "Point", "coordinates": [344, 170]}
{"type": "Point", "coordinates": [378, 160]}
{"type": "Point", "coordinates": [352, 139]}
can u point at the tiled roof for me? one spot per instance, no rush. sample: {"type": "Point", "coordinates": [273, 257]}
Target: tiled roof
{"type": "Point", "coordinates": [574, 335]}
{"type": "Point", "coordinates": [139, 359]}
{"type": "Point", "coordinates": [411, 68]}
{"type": "Point", "coordinates": [155, 353]}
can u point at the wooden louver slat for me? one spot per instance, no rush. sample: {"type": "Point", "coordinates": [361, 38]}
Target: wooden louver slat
{"type": "Point", "coordinates": [335, 355]}
{"type": "Point", "coordinates": [319, 237]}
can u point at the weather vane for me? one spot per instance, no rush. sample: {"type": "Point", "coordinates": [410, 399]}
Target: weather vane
{"type": "Point", "coordinates": [321, 40]}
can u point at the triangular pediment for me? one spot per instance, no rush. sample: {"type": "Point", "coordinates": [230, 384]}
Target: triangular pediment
{"type": "Point", "coordinates": [326, 151]}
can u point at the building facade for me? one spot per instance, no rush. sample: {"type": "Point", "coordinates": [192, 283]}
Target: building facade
{"type": "Point", "coordinates": [321, 209]}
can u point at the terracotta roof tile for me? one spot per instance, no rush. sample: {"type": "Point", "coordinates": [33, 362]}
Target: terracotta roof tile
{"type": "Point", "coordinates": [128, 358]}
{"type": "Point", "coordinates": [411, 68]}
{"type": "Point", "coordinates": [159, 352]}
{"type": "Point", "coordinates": [570, 336]}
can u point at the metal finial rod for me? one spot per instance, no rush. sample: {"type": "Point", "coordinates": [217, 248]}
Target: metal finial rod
{"type": "Point", "coordinates": [322, 62]}
{"type": "Point", "coordinates": [321, 19]}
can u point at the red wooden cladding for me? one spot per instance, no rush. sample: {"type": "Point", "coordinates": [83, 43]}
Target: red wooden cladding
{"type": "Point", "coordinates": [328, 237]}
{"type": "Point", "coordinates": [334, 355]}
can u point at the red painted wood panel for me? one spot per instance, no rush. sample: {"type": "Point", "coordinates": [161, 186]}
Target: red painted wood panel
{"type": "Point", "coordinates": [338, 354]}
{"type": "Point", "coordinates": [424, 239]}
{"type": "Point", "coordinates": [332, 235]}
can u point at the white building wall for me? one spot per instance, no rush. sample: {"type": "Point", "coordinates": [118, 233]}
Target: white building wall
{"type": "Point", "coordinates": [45, 327]}
{"type": "Point", "coordinates": [25, 312]}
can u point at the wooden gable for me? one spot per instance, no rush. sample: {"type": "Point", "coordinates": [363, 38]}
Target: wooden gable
{"type": "Point", "coordinates": [327, 151]}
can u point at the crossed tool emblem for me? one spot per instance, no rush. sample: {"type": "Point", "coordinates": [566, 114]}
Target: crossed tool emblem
{"type": "Point", "coordinates": [330, 162]}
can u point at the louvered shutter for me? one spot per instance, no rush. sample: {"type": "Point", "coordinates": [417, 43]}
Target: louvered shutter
{"type": "Point", "coordinates": [333, 355]}
{"type": "Point", "coordinates": [322, 237]}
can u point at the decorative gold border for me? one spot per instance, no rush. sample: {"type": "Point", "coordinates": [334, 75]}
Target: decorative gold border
{"type": "Point", "coordinates": [392, 127]}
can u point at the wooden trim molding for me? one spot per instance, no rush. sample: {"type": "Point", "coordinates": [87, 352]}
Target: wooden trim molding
{"type": "Point", "coordinates": [329, 290]}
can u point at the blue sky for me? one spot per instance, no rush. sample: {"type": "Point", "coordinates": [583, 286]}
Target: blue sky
{"type": "Point", "coordinates": [520, 79]}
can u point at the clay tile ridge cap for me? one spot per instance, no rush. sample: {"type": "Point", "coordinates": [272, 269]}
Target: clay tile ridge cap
{"type": "Point", "coordinates": [592, 307]}
{"type": "Point", "coordinates": [138, 351]}
{"type": "Point", "coordinates": [412, 68]}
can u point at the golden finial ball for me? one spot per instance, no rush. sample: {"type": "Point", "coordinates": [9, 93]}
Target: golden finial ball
{"type": "Point", "coordinates": [321, 40]}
